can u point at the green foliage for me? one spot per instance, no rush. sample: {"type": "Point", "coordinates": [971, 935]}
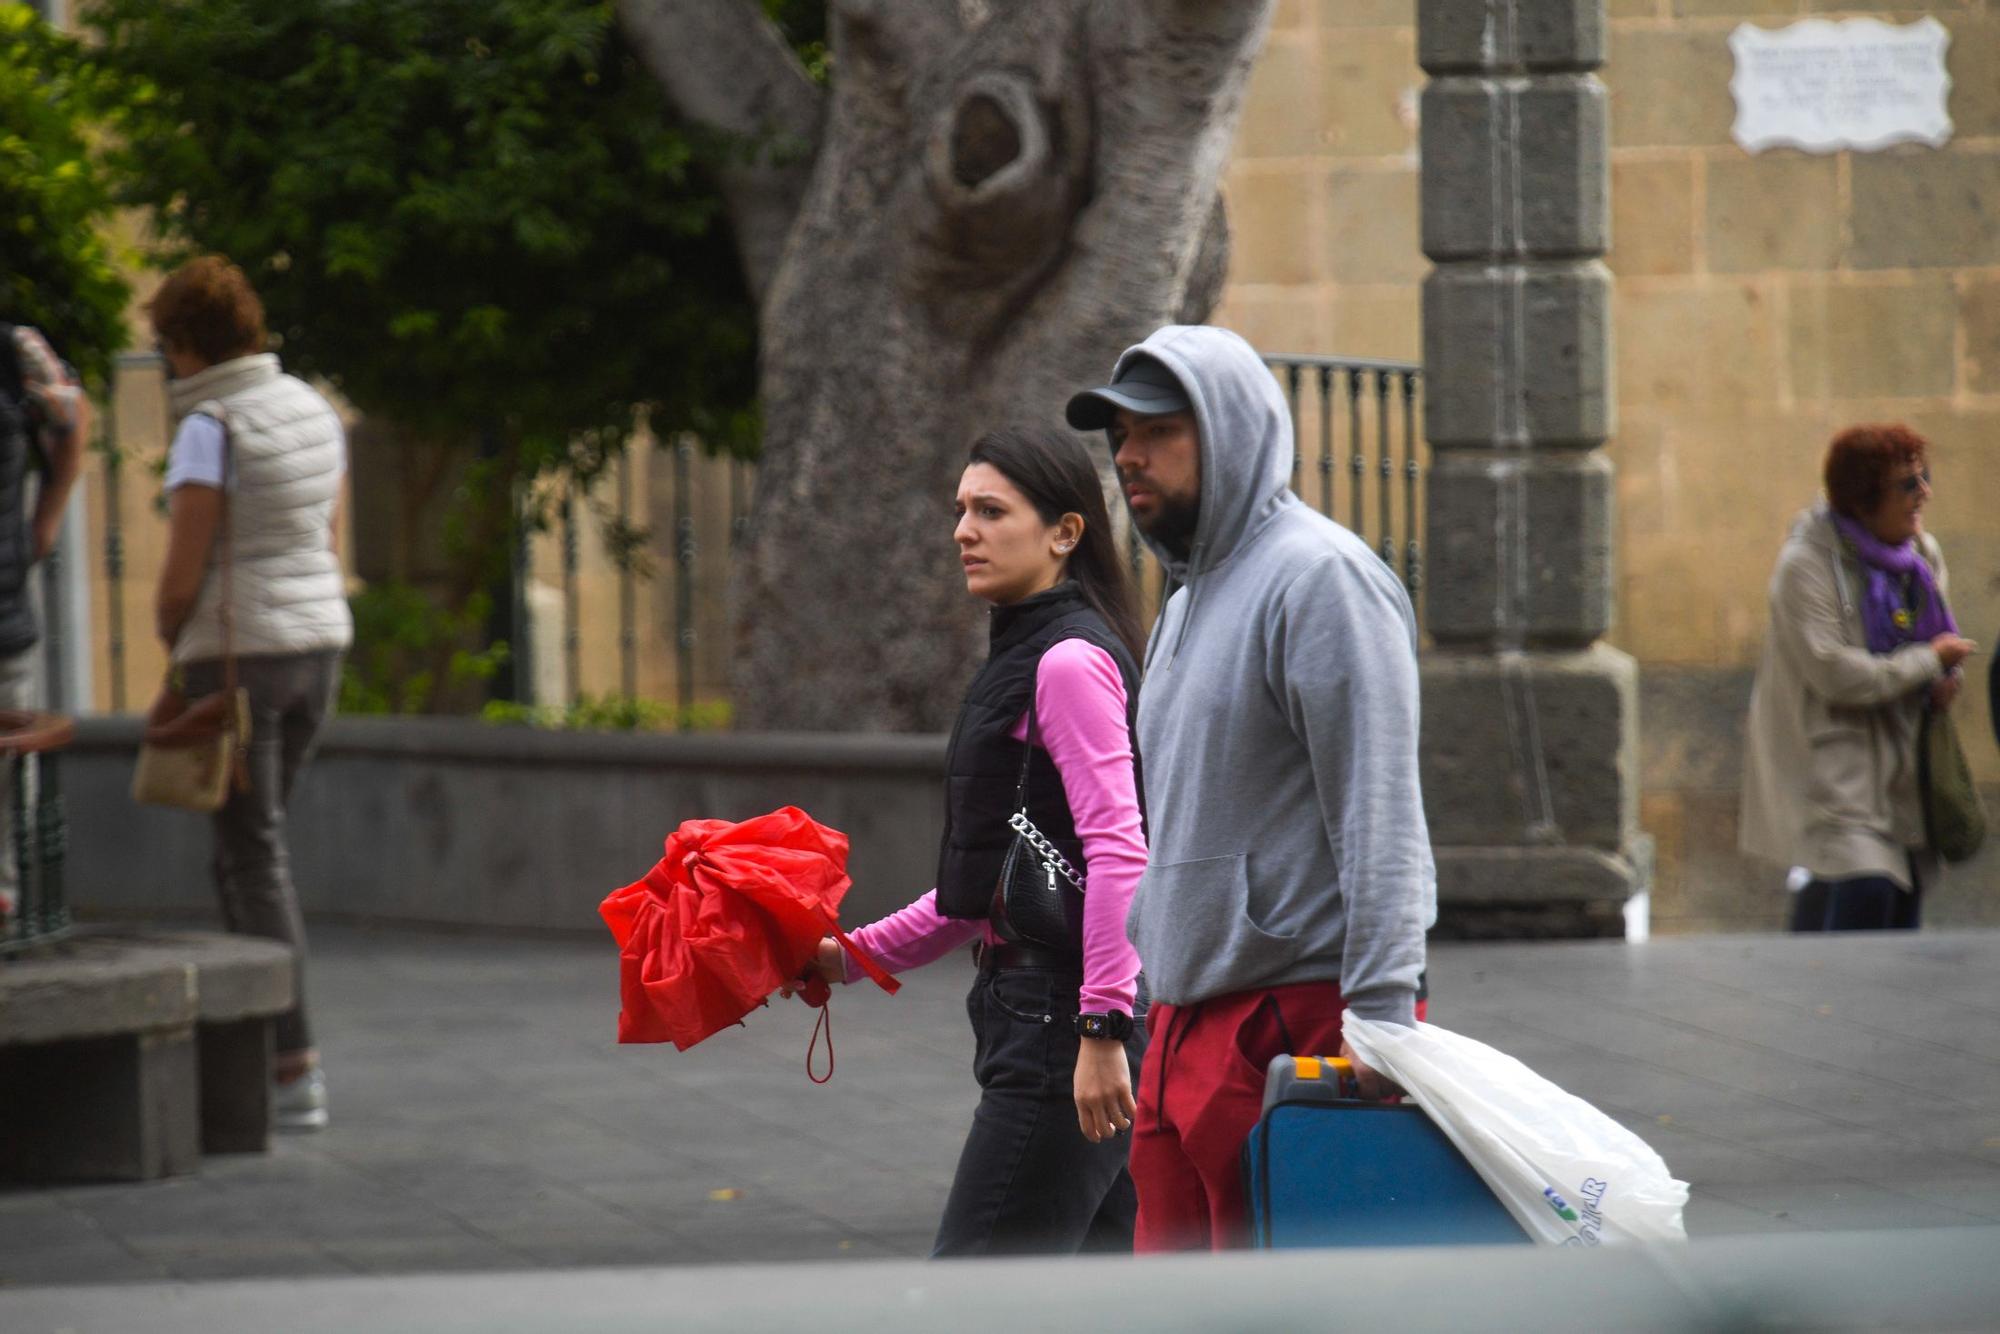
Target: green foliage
{"type": "Point", "coordinates": [58, 271]}
{"type": "Point", "coordinates": [407, 650]}
{"type": "Point", "coordinates": [614, 713]}
{"type": "Point", "coordinates": [803, 23]}
{"type": "Point", "coordinates": [479, 221]}
{"type": "Point", "coordinates": [463, 213]}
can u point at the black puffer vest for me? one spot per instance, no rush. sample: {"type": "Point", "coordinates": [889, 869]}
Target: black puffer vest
{"type": "Point", "coordinates": [984, 762]}
{"type": "Point", "coordinates": [18, 631]}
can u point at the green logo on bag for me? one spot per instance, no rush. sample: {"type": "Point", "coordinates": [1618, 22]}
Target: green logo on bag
{"type": "Point", "coordinates": [1560, 1205]}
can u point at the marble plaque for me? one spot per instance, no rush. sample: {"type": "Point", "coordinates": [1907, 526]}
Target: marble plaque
{"type": "Point", "coordinates": [1824, 85]}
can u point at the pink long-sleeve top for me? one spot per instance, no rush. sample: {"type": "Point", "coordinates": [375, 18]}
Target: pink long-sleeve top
{"type": "Point", "coordinates": [1080, 721]}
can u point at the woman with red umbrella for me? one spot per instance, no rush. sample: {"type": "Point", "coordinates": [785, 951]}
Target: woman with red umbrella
{"type": "Point", "coordinates": [1045, 732]}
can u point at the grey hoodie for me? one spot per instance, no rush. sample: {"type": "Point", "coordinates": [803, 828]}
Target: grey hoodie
{"type": "Point", "coordinates": [1278, 725]}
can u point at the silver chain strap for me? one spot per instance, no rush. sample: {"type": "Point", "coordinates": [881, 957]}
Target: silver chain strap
{"type": "Point", "coordinates": [1022, 825]}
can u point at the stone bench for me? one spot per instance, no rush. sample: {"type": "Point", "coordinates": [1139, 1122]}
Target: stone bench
{"type": "Point", "coordinates": [126, 1053]}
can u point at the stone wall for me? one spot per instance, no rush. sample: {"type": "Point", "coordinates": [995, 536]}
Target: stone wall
{"type": "Point", "coordinates": [1763, 301]}
{"type": "Point", "coordinates": [450, 822]}
{"type": "Point", "coordinates": [1323, 185]}
{"type": "Point", "coordinates": [447, 821]}
{"type": "Point", "coordinates": [1690, 753]}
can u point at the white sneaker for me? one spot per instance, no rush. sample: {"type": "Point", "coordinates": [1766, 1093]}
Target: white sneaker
{"type": "Point", "coordinates": [301, 1104]}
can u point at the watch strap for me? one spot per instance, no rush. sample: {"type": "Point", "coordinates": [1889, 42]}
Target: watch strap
{"type": "Point", "coordinates": [1115, 1024]}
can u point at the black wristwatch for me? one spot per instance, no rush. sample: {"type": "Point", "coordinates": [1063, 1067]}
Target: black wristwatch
{"type": "Point", "coordinates": [1116, 1025]}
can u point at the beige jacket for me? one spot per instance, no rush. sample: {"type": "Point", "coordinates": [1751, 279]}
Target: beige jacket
{"type": "Point", "coordinates": [1829, 761]}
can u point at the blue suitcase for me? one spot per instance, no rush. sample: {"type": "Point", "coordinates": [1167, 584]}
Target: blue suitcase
{"type": "Point", "coordinates": [1325, 1169]}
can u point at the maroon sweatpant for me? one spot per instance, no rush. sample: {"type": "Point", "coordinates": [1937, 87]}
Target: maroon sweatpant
{"type": "Point", "coordinates": [1201, 1091]}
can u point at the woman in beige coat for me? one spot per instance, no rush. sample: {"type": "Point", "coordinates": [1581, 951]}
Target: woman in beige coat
{"type": "Point", "coordinates": [1861, 642]}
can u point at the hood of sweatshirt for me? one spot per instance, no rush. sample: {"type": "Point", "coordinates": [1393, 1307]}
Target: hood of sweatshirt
{"type": "Point", "coordinates": [1246, 438]}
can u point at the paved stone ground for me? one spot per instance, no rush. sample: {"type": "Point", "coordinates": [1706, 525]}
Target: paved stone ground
{"type": "Point", "coordinates": [485, 1119]}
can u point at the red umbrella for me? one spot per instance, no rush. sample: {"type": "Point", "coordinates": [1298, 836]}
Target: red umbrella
{"type": "Point", "coordinates": [731, 913]}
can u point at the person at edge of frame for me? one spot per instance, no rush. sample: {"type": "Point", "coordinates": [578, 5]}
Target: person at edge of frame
{"type": "Point", "coordinates": [44, 421]}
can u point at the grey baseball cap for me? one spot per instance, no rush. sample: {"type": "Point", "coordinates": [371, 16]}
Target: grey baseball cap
{"type": "Point", "coordinates": [1145, 386]}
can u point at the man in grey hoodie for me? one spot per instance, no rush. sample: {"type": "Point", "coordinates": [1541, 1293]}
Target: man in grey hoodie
{"type": "Point", "coordinates": [1290, 873]}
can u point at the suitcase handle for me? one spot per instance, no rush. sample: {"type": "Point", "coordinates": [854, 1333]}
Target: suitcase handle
{"type": "Point", "coordinates": [1338, 1068]}
{"type": "Point", "coordinates": [1309, 1079]}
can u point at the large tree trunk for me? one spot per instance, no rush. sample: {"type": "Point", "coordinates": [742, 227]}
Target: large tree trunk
{"type": "Point", "coordinates": [1000, 200]}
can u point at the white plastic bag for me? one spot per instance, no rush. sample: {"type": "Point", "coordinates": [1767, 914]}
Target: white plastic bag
{"type": "Point", "coordinates": [1569, 1174]}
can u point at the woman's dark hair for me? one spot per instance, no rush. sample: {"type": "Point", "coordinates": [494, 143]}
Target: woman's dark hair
{"type": "Point", "coordinates": [1861, 460]}
{"type": "Point", "coordinates": [1055, 474]}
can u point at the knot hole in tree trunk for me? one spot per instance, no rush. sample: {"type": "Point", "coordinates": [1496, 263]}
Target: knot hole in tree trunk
{"type": "Point", "coordinates": [1004, 181]}
{"type": "Point", "coordinates": [983, 140]}
{"type": "Point", "coordinates": [991, 143]}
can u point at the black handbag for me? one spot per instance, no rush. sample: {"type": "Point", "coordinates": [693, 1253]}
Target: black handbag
{"type": "Point", "coordinates": [1039, 898]}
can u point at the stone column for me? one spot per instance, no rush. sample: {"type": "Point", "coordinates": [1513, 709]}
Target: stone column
{"type": "Point", "coordinates": [1530, 723]}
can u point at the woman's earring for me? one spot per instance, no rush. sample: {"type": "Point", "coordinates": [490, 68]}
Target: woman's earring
{"type": "Point", "coordinates": [1063, 548]}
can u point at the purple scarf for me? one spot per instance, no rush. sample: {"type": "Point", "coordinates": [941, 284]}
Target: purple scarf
{"type": "Point", "coordinates": [1888, 623]}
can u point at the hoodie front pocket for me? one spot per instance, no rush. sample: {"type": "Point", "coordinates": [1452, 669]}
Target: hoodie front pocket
{"type": "Point", "coordinates": [1193, 927]}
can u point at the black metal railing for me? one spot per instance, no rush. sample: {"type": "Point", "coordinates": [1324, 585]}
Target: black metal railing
{"type": "Point", "coordinates": [1364, 412]}
{"type": "Point", "coordinates": [1356, 455]}
{"type": "Point", "coordinates": [1357, 459]}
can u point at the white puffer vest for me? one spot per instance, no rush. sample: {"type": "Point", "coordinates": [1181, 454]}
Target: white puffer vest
{"type": "Point", "coordinates": [284, 478]}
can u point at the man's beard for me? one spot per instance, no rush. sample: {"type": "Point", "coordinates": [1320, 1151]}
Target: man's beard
{"type": "Point", "coordinates": [1172, 526]}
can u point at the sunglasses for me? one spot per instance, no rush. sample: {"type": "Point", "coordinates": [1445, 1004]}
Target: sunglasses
{"type": "Point", "coordinates": [1915, 484]}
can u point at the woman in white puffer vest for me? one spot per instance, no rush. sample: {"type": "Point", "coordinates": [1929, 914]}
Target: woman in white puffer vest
{"type": "Point", "coordinates": [256, 467]}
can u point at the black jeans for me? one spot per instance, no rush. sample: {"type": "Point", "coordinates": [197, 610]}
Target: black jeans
{"type": "Point", "coordinates": [1028, 1182]}
{"type": "Point", "coordinates": [290, 697]}
{"type": "Point", "coordinates": [1859, 903]}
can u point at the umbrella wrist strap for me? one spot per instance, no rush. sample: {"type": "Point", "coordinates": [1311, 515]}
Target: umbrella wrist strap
{"type": "Point", "coordinates": [876, 973]}
{"type": "Point", "coordinates": [816, 995]}
{"type": "Point", "coordinates": [823, 1025]}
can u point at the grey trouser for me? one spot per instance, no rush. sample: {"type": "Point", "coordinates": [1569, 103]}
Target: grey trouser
{"type": "Point", "coordinates": [290, 696]}
{"type": "Point", "coordinates": [17, 691]}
